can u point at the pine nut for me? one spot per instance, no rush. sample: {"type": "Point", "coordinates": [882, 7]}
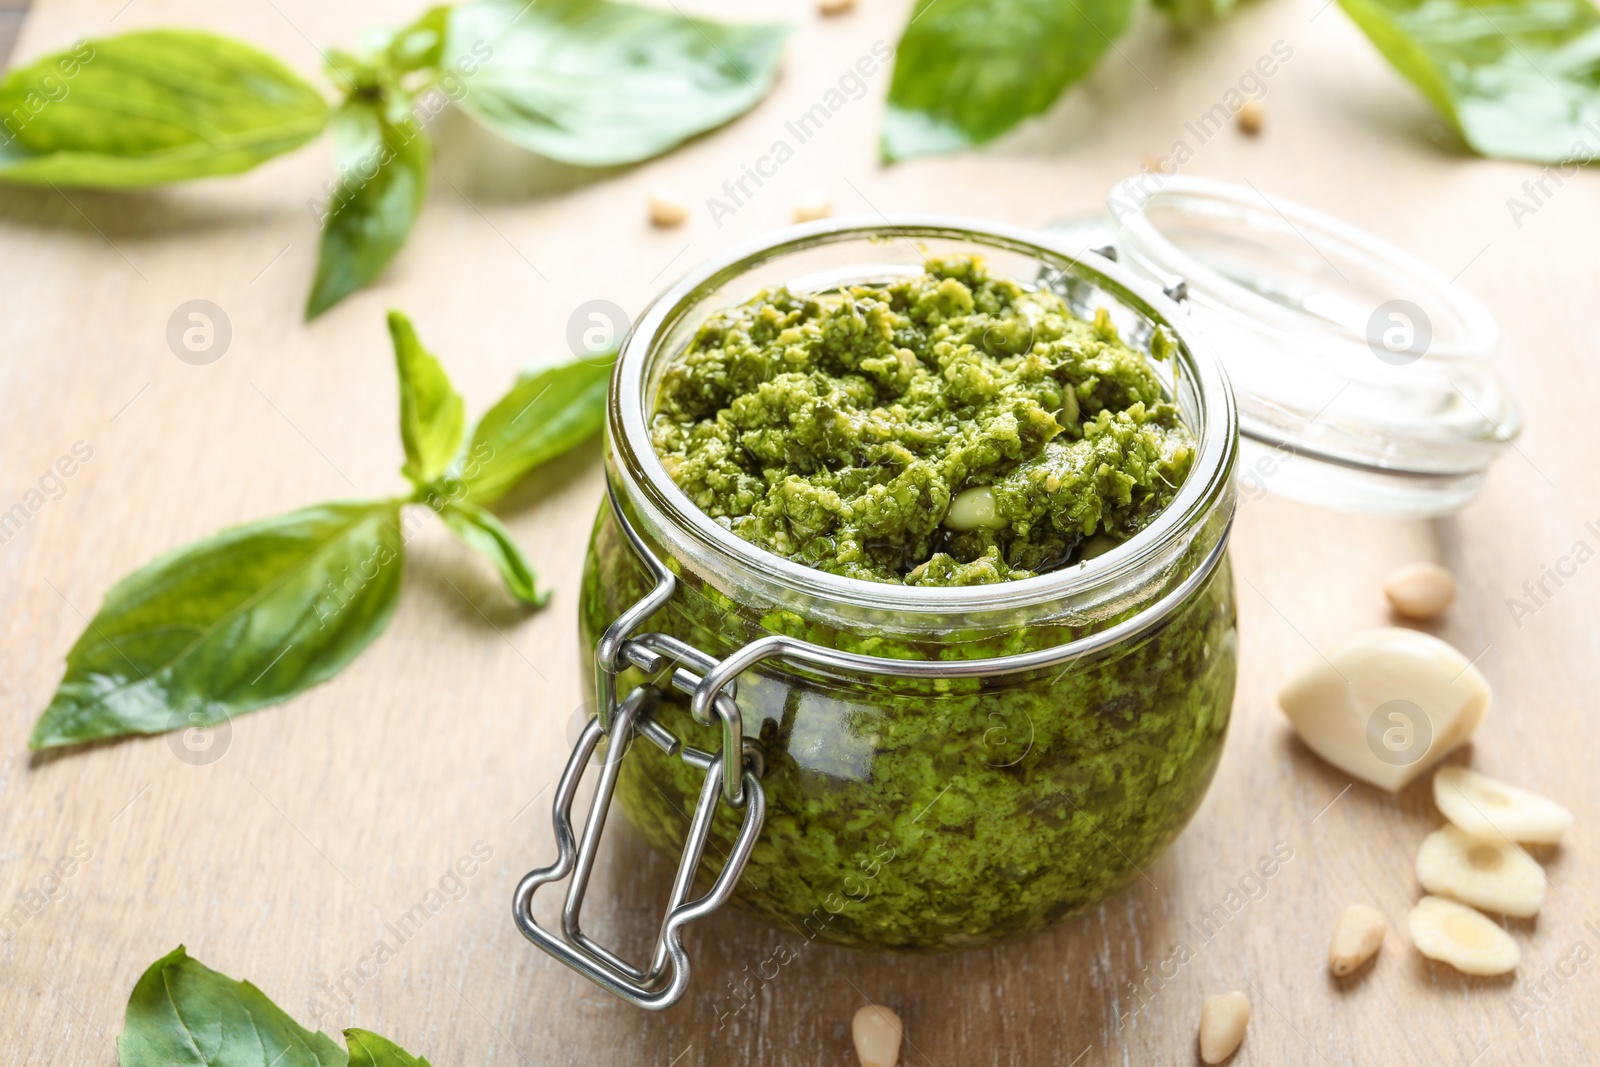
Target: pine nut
{"type": "Point", "coordinates": [877, 1031]}
{"type": "Point", "coordinates": [666, 210]}
{"type": "Point", "coordinates": [1222, 1022]}
{"type": "Point", "coordinates": [1356, 938]}
{"type": "Point", "coordinates": [1250, 117]}
{"type": "Point", "coordinates": [814, 205]}
{"type": "Point", "coordinates": [1420, 591]}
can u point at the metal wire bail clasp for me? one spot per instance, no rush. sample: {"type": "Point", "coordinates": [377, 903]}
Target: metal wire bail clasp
{"type": "Point", "coordinates": [732, 774]}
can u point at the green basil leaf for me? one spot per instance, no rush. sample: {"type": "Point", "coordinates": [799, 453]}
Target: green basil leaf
{"type": "Point", "coordinates": [232, 623]}
{"type": "Point", "coordinates": [544, 415]}
{"type": "Point", "coordinates": [432, 416]}
{"type": "Point", "coordinates": [1187, 14]}
{"type": "Point", "coordinates": [151, 107]}
{"type": "Point", "coordinates": [368, 1049]}
{"type": "Point", "coordinates": [484, 532]}
{"type": "Point", "coordinates": [383, 168]}
{"type": "Point", "coordinates": [183, 1013]}
{"type": "Point", "coordinates": [596, 83]}
{"type": "Point", "coordinates": [966, 71]}
{"type": "Point", "coordinates": [1520, 79]}
{"type": "Point", "coordinates": [421, 44]}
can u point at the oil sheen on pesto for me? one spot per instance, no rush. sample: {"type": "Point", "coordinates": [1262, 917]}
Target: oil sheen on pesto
{"type": "Point", "coordinates": [946, 428]}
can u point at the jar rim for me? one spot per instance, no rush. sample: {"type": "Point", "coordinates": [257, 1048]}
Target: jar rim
{"type": "Point", "coordinates": [1209, 477]}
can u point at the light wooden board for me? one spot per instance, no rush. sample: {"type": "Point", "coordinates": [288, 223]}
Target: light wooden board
{"type": "Point", "coordinates": [282, 860]}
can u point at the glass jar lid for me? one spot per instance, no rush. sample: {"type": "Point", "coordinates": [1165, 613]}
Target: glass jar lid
{"type": "Point", "coordinates": [1362, 374]}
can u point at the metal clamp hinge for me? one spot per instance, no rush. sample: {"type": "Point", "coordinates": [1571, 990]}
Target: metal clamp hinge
{"type": "Point", "coordinates": [659, 984]}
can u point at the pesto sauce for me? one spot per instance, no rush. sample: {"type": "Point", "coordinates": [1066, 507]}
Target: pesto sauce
{"type": "Point", "coordinates": [928, 814]}
{"type": "Point", "coordinates": [836, 430]}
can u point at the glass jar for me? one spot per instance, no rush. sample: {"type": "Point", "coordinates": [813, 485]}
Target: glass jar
{"type": "Point", "coordinates": [1364, 377]}
{"type": "Point", "coordinates": [924, 768]}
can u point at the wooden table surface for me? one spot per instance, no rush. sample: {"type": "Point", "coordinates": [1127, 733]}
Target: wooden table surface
{"type": "Point", "coordinates": [280, 855]}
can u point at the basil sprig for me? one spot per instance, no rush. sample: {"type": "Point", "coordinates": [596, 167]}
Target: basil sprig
{"type": "Point", "coordinates": [181, 1012]}
{"type": "Point", "coordinates": [258, 613]}
{"type": "Point", "coordinates": [587, 82]}
{"type": "Point", "coordinates": [1517, 78]}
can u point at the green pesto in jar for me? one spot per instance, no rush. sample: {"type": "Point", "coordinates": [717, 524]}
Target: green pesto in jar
{"type": "Point", "coordinates": [941, 813]}
{"type": "Point", "coordinates": [947, 428]}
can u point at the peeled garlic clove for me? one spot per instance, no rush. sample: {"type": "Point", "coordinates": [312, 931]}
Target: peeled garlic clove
{"type": "Point", "coordinates": [1465, 939]}
{"type": "Point", "coordinates": [1222, 1022]}
{"type": "Point", "coordinates": [1492, 875]}
{"type": "Point", "coordinates": [877, 1031]}
{"type": "Point", "coordinates": [1387, 704]}
{"type": "Point", "coordinates": [1356, 938]}
{"type": "Point", "coordinates": [1483, 807]}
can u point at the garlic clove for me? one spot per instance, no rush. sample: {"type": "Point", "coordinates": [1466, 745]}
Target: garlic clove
{"type": "Point", "coordinates": [1387, 704]}
{"type": "Point", "coordinates": [1465, 939]}
{"type": "Point", "coordinates": [1483, 807]}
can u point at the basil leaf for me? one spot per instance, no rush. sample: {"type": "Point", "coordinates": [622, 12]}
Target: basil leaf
{"type": "Point", "coordinates": [243, 619]}
{"type": "Point", "coordinates": [597, 83]}
{"type": "Point", "coordinates": [420, 45]}
{"type": "Point", "coordinates": [484, 532]}
{"type": "Point", "coordinates": [151, 107]}
{"type": "Point", "coordinates": [181, 1012]}
{"type": "Point", "coordinates": [432, 416]}
{"type": "Point", "coordinates": [367, 1049]}
{"type": "Point", "coordinates": [543, 415]}
{"type": "Point", "coordinates": [966, 71]}
{"type": "Point", "coordinates": [1518, 78]}
{"type": "Point", "coordinates": [1187, 14]}
{"type": "Point", "coordinates": [383, 180]}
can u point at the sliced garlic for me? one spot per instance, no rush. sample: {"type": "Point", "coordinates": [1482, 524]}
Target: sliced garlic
{"type": "Point", "coordinates": [1492, 875]}
{"type": "Point", "coordinates": [1387, 704]}
{"type": "Point", "coordinates": [1494, 811]}
{"type": "Point", "coordinates": [973, 508]}
{"type": "Point", "coordinates": [1357, 936]}
{"type": "Point", "coordinates": [1222, 1022]}
{"type": "Point", "coordinates": [1465, 939]}
{"type": "Point", "coordinates": [876, 1031]}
